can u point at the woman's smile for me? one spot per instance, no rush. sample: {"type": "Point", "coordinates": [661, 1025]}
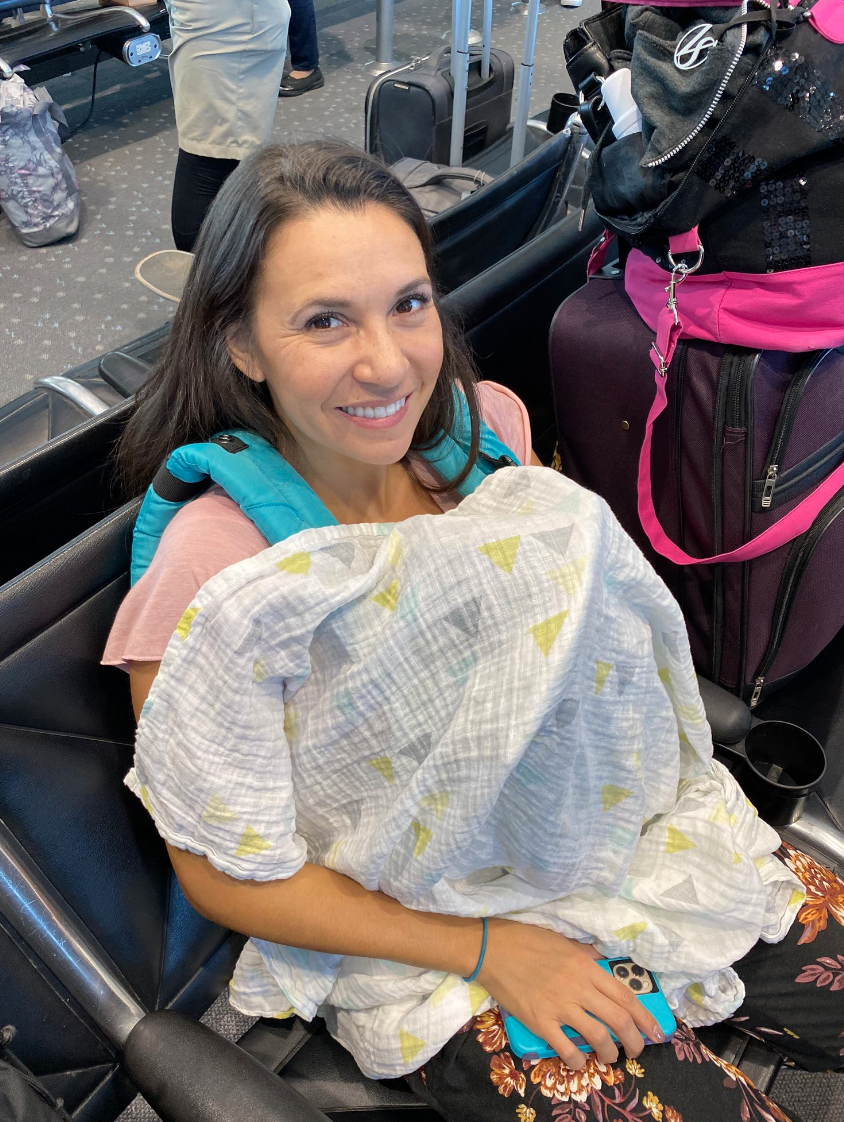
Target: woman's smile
{"type": "Point", "coordinates": [372, 416]}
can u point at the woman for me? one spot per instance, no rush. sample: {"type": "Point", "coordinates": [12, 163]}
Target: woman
{"type": "Point", "coordinates": [312, 302]}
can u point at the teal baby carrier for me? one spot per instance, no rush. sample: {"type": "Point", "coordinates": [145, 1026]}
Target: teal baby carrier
{"type": "Point", "coordinates": [271, 493]}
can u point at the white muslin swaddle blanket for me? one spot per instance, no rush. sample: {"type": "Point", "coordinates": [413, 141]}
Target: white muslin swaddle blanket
{"type": "Point", "coordinates": [487, 712]}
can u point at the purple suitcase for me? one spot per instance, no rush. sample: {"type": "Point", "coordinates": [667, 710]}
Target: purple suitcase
{"type": "Point", "coordinates": [746, 435]}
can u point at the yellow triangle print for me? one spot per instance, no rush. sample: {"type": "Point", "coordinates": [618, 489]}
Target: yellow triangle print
{"type": "Point", "coordinates": [184, 624]}
{"type": "Point", "coordinates": [477, 996]}
{"type": "Point", "coordinates": [502, 553]}
{"type": "Point", "coordinates": [259, 674]}
{"type": "Point", "coordinates": [384, 766]}
{"type": "Point", "coordinates": [677, 841]}
{"type": "Point", "coordinates": [437, 803]}
{"type": "Point", "coordinates": [611, 796]}
{"type": "Point", "coordinates": [665, 678]}
{"type": "Point", "coordinates": [217, 813]}
{"type": "Point", "coordinates": [291, 723]}
{"type": "Point", "coordinates": [546, 633]}
{"type": "Point", "coordinates": [388, 598]}
{"type": "Point", "coordinates": [719, 814]}
{"type": "Point", "coordinates": [570, 576]}
{"type": "Point", "coordinates": [423, 836]}
{"type": "Point", "coordinates": [443, 989]}
{"type": "Point", "coordinates": [798, 895]}
{"type": "Point", "coordinates": [631, 931]}
{"type": "Point", "coordinates": [695, 992]}
{"type": "Point", "coordinates": [410, 1046]}
{"type": "Point", "coordinates": [251, 844]}
{"type": "Point", "coordinates": [333, 854]}
{"type": "Point", "coordinates": [285, 1015]}
{"type": "Point", "coordinates": [145, 800]}
{"type": "Point", "coordinates": [636, 758]}
{"type": "Point", "coordinates": [761, 862]}
{"type": "Point", "coordinates": [394, 550]}
{"type": "Point", "coordinates": [602, 672]}
{"type": "Point", "coordinates": [736, 857]}
{"type": "Point", "coordinates": [684, 739]}
{"type": "Point", "coordinates": [297, 563]}
{"type": "Point", "coordinates": [527, 508]}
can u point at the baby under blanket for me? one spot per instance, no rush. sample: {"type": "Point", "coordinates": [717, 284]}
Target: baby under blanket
{"type": "Point", "coordinates": [487, 712]}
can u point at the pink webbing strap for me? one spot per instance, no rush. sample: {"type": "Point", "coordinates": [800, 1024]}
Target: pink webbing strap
{"type": "Point", "coordinates": [599, 254]}
{"type": "Point", "coordinates": [796, 522]}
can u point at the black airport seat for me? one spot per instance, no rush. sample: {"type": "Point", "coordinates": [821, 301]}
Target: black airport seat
{"type": "Point", "coordinates": [66, 36]}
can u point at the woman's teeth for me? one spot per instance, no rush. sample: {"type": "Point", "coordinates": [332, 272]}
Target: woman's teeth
{"type": "Point", "coordinates": [379, 411]}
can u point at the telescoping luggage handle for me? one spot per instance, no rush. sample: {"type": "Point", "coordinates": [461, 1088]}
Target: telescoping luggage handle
{"type": "Point", "coordinates": [669, 330]}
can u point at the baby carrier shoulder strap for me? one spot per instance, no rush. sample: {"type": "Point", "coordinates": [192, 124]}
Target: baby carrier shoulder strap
{"type": "Point", "coordinates": [270, 492]}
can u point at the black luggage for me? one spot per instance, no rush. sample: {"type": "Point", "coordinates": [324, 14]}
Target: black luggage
{"type": "Point", "coordinates": [408, 110]}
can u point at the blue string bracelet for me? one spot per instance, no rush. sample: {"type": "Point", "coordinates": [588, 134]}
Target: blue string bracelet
{"type": "Point", "coordinates": [477, 969]}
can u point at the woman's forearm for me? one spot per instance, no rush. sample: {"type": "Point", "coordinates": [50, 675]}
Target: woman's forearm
{"type": "Point", "coordinates": [321, 910]}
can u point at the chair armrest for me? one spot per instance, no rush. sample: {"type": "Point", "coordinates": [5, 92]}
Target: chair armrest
{"type": "Point", "coordinates": [729, 717]}
{"type": "Point", "coordinates": [187, 1073]}
{"type": "Point", "coordinates": [123, 372]}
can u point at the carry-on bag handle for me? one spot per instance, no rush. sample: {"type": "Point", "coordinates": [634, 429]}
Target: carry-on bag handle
{"type": "Point", "coordinates": [669, 330]}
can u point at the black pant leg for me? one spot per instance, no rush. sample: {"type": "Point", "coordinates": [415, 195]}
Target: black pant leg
{"type": "Point", "coordinates": [302, 36]}
{"type": "Point", "coordinates": [195, 186]}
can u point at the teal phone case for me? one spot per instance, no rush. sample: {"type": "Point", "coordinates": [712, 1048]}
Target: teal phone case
{"type": "Point", "coordinates": [525, 1043]}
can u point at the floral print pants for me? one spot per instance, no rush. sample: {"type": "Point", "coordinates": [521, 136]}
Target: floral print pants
{"type": "Point", "coordinates": [794, 1001]}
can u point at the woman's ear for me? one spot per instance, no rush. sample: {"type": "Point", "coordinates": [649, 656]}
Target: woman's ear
{"type": "Point", "coordinates": [241, 356]}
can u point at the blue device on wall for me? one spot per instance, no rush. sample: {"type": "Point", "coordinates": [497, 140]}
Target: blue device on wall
{"type": "Point", "coordinates": [641, 981]}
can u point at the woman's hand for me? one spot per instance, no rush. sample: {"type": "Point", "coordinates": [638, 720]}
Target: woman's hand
{"type": "Point", "coordinates": [546, 980]}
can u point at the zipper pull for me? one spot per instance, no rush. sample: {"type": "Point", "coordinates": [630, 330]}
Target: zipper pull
{"type": "Point", "coordinates": [770, 484]}
{"type": "Point", "coordinates": [757, 691]}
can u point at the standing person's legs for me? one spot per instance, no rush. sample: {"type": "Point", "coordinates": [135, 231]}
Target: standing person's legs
{"type": "Point", "coordinates": [302, 42]}
{"type": "Point", "coordinates": [794, 1001]}
{"type": "Point", "coordinates": [225, 68]}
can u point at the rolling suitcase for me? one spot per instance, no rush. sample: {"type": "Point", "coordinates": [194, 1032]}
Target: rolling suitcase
{"type": "Point", "coordinates": [747, 435]}
{"type": "Point", "coordinates": [409, 110]}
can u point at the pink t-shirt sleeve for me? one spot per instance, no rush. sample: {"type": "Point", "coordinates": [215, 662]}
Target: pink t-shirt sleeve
{"type": "Point", "coordinates": [211, 533]}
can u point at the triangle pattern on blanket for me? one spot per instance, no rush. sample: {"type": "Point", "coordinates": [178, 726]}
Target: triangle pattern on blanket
{"type": "Point", "coordinates": [394, 549]}
{"type": "Point", "coordinates": [683, 892]}
{"type": "Point", "coordinates": [388, 598]}
{"type": "Point", "coordinates": [297, 563]}
{"type": "Point", "coordinates": [410, 1046]}
{"type": "Point", "coordinates": [556, 540]}
{"type": "Point", "coordinates": [624, 675]}
{"type": "Point", "coordinates": [477, 996]}
{"type": "Point", "coordinates": [406, 610]}
{"type": "Point", "coordinates": [217, 813]}
{"type": "Point", "coordinates": [384, 766]}
{"type": "Point", "coordinates": [185, 623]}
{"type": "Point", "coordinates": [423, 836]}
{"type": "Point", "coordinates": [251, 844]}
{"type": "Point", "coordinates": [602, 672]}
{"type": "Point", "coordinates": [462, 669]}
{"type": "Point", "coordinates": [344, 552]}
{"type": "Point", "coordinates": [419, 749]}
{"type": "Point", "coordinates": [545, 633]}
{"type": "Point", "coordinates": [631, 931]}
{"type": "Point", "coordinates": [677, 841]}
{"type": "Point", "coordinates": [438, 803]}
{"type": "Point", "coordinates": [611, 796]}
{"type": "Point", "coordinates": [502, 553]}
{"type": "Point", "coordinates": [466, 617]}
{"type": "Point", "coordinates": [570, 576]}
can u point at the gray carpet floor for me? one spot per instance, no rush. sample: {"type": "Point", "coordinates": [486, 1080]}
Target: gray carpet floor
{"type": "Point", "coordinates": [65, 304]}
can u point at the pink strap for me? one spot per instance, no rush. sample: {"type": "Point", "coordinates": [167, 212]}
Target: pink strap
{"type": "Point", "coordinates": [796, 522]}
{"type": "Point", "coordinates": [599, 254]}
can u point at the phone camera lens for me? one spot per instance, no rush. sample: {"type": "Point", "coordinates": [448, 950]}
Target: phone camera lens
{"type": "Point", "coordinates": [635, 984]}
{"type": "Point", "coordinates": [638, 970]}
{"type": "Point", "coordinates": [622, 972]}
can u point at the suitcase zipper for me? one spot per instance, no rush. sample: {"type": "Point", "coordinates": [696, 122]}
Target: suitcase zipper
{"type": "Point", "coordinates": [785, 423]}
{"type": "Point", "coordinates": [795, 567]}
{"type": "Point", "coordinates": [734, 378]}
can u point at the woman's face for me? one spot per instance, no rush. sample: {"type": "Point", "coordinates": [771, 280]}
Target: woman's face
{"type": "Point", "coordinates": [345, 334]}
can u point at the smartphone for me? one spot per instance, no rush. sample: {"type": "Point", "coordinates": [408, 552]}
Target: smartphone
{"type": "Point", "coordinates": [641, 981]}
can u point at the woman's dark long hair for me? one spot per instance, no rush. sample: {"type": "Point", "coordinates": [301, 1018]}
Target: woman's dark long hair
{"type": "Point", "coordinates": [196, 390]}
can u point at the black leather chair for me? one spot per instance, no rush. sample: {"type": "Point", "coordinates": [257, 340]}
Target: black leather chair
{"type": "Point", "coordinates": [61, 41]}
{"type": "Point", "coordinates": [505, 214]}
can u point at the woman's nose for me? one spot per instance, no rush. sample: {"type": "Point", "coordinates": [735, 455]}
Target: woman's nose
{"type": "Point", "coordinates": [381, 359]}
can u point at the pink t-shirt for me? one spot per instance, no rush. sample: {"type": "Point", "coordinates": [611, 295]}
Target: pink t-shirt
{"type": "Point", "coordinates": [212, 532]}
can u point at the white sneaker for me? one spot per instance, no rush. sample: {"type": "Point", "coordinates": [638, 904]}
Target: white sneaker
{"type": "Point", "coordinates": [570, 3]}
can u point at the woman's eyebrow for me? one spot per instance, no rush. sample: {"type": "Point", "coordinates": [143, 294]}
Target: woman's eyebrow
{"type": "Point", "coordinates": [340, 304]}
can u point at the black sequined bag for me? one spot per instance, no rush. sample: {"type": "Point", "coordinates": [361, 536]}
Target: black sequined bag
{"type": "Point", "coordinates": [761, 172]}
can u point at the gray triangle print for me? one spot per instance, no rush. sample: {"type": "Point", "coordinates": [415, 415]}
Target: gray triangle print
{"type": "Point", "coordinates": [466, 617]}
{"type": "Point", "coordinates": [624, 676]}
{"type": "Point", "coordinates": [683, 893]}
{"type": "Point", "coordinates": [558, 540]}
{"type": "Point", "coordinates": [344, 552]}
{"type": "Point", "coordinates": [418, 749]}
